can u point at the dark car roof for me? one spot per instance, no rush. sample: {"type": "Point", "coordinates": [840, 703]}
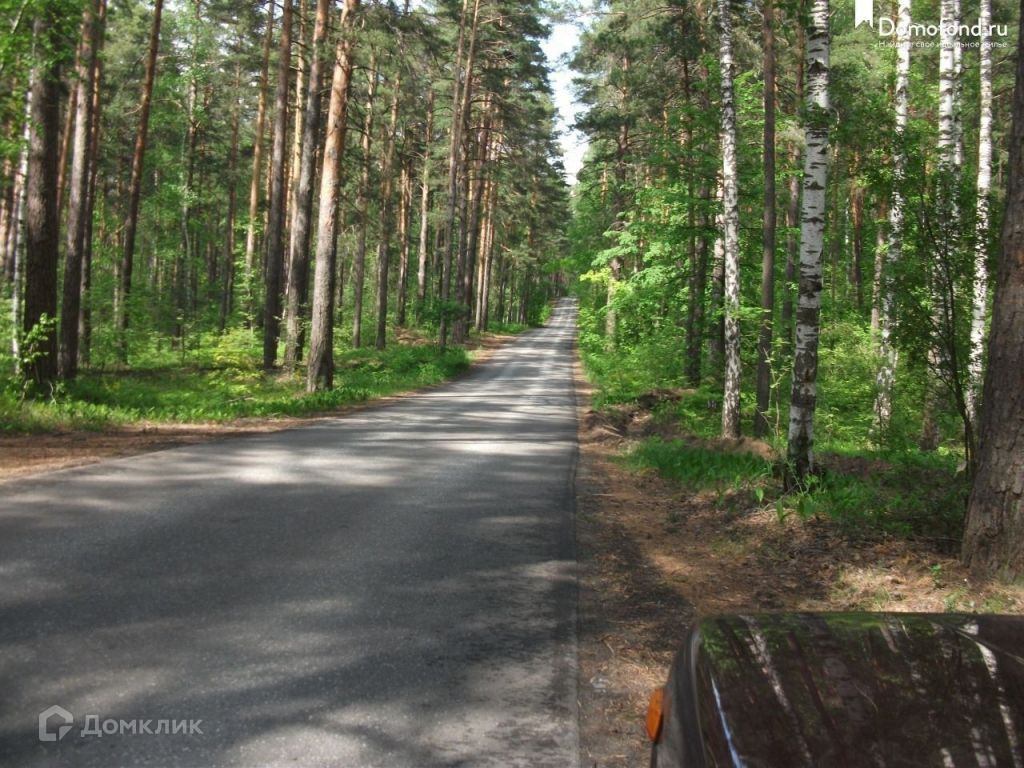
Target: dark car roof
{"type": "Point", "coordinates": [857, 690]}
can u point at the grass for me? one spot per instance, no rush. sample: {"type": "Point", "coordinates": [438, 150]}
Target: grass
{"type": "Point", "coordinates": [699, 468]}
{"type": "Point", "coordinates": [913, 499]}
{"type": "Point", "coordinates": [224, 388]}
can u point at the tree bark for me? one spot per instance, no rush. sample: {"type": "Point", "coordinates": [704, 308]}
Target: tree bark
{"type": "Point", "coordinates": [404, 214]}
{"type": "Point", "coordinates": [472, 240]}
{"type": "Point", "coordinates": [461, 90]}
{"type": "Point", "coordinates": [41, 222]}
{"type": "Point", "coordinates": [363, 207]}
{"type": "Point", "coordinates": [764, 342]}
{"type": "Point", "coordinates": [730, 231]}
{"type": "Point", "coordinates": [228, 288]}
{"type": "Point", "coordinates": [886, 376]}
{"type": "Point", "coordinates": [803, 400]}
{"type": "Point", "coordinates": [981, 227]}
{"type": "Point", "coordinates": [278, 181]}
{"type": "Point", "coordinates": [320, 368]}
{"type": "Point", "coordinates": [857, 264]}
{"type": "Point", "coordinates": [121, 309]}
{"type": "Point", "coordinates": [298, 115]}
{"type": "Point", "coordinates": [422, 255]}
{"type": "Point", "coordinates": [85, 309]}
{"type": "Point", "coordinates": [950, 160]}
{"type": "Point", "coordinates": [302, 206]}
{"type": "Point", "coordinates": [387, 163]}
{"type": "Point", "coordinates": [78, 194]}
{"type": "Point", "coordinates": [994, 534]}
{"type": "Point", "coordinates": [257, 167]}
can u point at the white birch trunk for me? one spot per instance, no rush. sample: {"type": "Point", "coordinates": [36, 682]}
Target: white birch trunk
{"type": "Point", "coordinates": [730, 231]}
{"type": "Point", "coordinates": [977, 349]}
{"type": "Point", "coordinates": [947, 84]}
{"type": "Point", "coordinates": [887, 353]}
{"type": "Point", "coordinates": [803, 401]}
{"type": "Point", "coordinates": [948, 213]}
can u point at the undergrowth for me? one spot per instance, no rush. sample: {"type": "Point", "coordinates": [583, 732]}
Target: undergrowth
{"type": "Point", "coordinates": [227, 384]}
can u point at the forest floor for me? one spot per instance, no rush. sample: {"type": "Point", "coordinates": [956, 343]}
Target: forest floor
{"type": "Point", "coordinates": [654, 555]}
{"type": "Point", "coordinates": [30, 453]}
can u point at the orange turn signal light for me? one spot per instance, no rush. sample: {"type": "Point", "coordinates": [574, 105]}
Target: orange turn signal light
{"type": "Point", "coordinates": [655, 714]}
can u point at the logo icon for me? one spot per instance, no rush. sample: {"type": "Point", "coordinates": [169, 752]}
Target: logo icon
{"type": "Point", "coordinates": [44, 722]}
{"type": "Point", "coordinates": [863, 11]}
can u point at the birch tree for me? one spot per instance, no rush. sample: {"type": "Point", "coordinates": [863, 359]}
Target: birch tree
{"type": "Point", "coordinates": [730, 230]}
{"type": "Point", "coordinates": [981, 227]}
{"type": "Point", "coordinates": [886, 349]}
{"type": "Point", "coordinates": [803, 400]}
{"type": "Point", "coordinates": [948, 214]}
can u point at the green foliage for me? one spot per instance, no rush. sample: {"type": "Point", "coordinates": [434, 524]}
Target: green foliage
{"type": "Point", "coordinates": [909, 499]}
{"type": "Point", "coordinates": [698, 467]}
{"type": "Point", "coordinates": [227, 385]}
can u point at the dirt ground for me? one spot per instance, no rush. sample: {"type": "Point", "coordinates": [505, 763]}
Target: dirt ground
{"type": "Point", "coordinates": [654, 556]}
{"type": "Point", "coordinates": [23, 455]}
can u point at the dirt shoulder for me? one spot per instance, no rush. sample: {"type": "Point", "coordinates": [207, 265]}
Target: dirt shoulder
{"type": "Point", "coordinates": [29, 454]}
{"type": "Point", "coordinates": [653, 556]}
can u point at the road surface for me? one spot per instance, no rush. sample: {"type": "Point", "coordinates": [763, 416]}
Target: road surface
{"type": "Point", "coordinates": [392, 588]}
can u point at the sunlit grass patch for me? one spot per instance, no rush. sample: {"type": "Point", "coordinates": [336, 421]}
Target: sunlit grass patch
{"type": "Point", "coordinates": [233, 389]}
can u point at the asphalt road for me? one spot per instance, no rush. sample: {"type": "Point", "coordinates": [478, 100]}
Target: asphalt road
{"type": "Point", "coordinates": [393, 588]}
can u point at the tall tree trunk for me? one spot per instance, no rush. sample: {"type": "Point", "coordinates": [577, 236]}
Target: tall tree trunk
{"type": "Point", "coordinates": [41, 223]}
{"type": "Point", "coordinates": [981, 233]}
{"type": "Point", "coordinates": [257, 167]}
{"type": "Point", "coordinates": [386, 204]}
{"type": "Point", "coordinates": [857, 264]}
{"type": "Point", "coordinates": [404, 214]}
{"type": "Point", "coordinates": [184, 262]}
{"type": "Point", "coordinates": [298, 115]}
{"type": "Point", "coordinates": [85, 309]}
{"type": "Point", "coordinates": [793, 207]}
{"type": "Point", "coordinates": [302, 206]}
{"type": "Point", "coordinates": [487, 268]}
{"type": "Point", "coordinates": [730, 231]}
{"type": "Point", "coordinates": [876, 281]}
{"type": "Point", "coordinates": [695, 307]}
{"type": "Point", "coordinates": [950, 153]}
{"type": "Point", "coordinates": [886, 350]}
{"type": "Point", "coordinates": [462, 88]}
{"type": "Point", "coordinates": [13, 261]}
{"type": "Point", "coordinates": [131, 221]}
{"type": "Point", "coordinates": [421, 267]}
{"type": "Point", "coordinates": [792, 251]}
{"type": "Point", "coordinates": [472, 241]}
{"type": "Point", "coordinates": [66, 141]}
{"type": "Point", "coordinates": [320, 368]}
{"type": "Point", "coordinates": [764, 342]}
{"type": "Point", "coordinates": [78, 194]}
{"type": "Point", "coordinates": [363, 207]}
{"type": "Point", "coordinates": [486, 243]}
{"type": "Point", "coordinates": [278, 181]}
{"type": "Point", "coordinates": [994, 533]}
{"type": "Point", "coordinates": [228, 288]}
{"type": "Point", "coordinates": [803, 401]}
